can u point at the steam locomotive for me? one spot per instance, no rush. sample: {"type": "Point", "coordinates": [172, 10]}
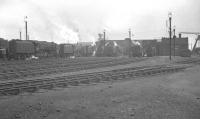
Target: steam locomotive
{"type": "Point", "coordinates": [22, 49]}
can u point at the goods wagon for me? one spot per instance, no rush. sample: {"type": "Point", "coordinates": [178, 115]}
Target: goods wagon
{"type": "Point", "coordinates": [45, 49]}
{"type": "Point", "coordinates": [66, 50]}
{"type": "Point", "coordinates": [3, 48]}
{"type": "Point", "coordinates": [21, 49]}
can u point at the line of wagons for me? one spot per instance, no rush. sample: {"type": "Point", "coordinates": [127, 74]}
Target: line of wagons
{"type": "Point", "coordinates": [22, 49]}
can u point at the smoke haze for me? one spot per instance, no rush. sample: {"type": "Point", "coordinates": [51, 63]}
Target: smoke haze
{"type": "Point", "coordinates": [74, 21]}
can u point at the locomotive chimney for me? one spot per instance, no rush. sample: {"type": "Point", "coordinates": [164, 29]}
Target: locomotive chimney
{"type": "Point", "coordinates": [129, 32]}
{"type": "Point", "coordinates": [20, 35]}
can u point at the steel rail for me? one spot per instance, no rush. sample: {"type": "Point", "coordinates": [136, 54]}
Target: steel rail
{"type": "Point", "coordinates": [16, 87]}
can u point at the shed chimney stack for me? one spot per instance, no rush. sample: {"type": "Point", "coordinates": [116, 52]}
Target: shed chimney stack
{"type": "Point", "coordinates": [179, 35]}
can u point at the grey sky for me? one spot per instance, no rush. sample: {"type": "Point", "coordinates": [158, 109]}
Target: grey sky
{"type": "Point", "coordinates": [81, 20]}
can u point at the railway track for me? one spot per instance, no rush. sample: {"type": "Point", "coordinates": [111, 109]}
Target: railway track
{"type": "Point", "coordinates": [189, 61]}
{"type": "Point", "coordinates": [10, 73]}
{"type": "Point", "coordinates": [16, 87]}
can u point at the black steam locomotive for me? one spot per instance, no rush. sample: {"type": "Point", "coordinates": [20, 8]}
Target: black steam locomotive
{"type": "Point", "coordinates": [22, 49]}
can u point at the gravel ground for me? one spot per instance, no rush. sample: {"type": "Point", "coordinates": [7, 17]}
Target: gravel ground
{"type": "Point", "coordinates": [149, 62]}
{"type": "Point", "coordinates": [174, 96]}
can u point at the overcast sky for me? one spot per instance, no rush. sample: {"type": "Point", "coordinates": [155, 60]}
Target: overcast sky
{"type": "Point", "coordinates": [64, 21]}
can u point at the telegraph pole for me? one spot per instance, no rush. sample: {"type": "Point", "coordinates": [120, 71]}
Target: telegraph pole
{"type": "Point", "coordinates": [174, 37]}
{"type": "Point", "coordinates": [26, 27]}
{"type": "Point", "coordinates": [170, 34]}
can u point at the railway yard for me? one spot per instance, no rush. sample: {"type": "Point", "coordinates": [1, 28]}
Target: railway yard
{"type": "Point", "coordinates": [124, 59]}
{"type": "Point", "coordinates": [100, 88]}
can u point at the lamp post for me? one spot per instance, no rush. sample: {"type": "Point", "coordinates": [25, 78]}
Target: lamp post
{"type": "Point", "coordinates": [170, 33]}
{"type": "Point", "coordinates": [26, 29]}
{"type": "Point", "coordinates": [174, 37]}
